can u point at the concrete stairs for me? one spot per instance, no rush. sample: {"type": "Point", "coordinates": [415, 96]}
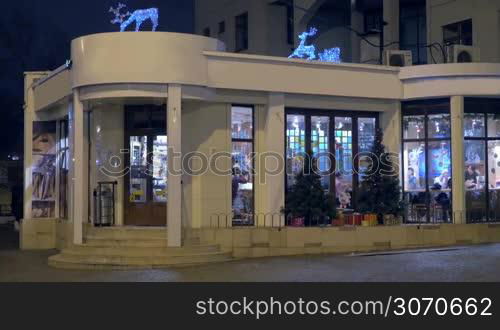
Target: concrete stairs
{"type": "Point", "coordinates": [124, 248]}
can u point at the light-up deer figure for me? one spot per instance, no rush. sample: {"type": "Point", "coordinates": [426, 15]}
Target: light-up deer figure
{"type": "Point", "coordinates": [138, 16]}
{"type": "Point", "coordinates": [304, 51]}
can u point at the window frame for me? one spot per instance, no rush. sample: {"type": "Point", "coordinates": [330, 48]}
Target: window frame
{"type": "Point", "coordinates": [241, 30]}
{"type": "Point", "coordinates": [424, 108]}
{"type": "Point", "coordinates": [222, 27]}
{"type": "Point", "coordinates": [420, 15]}
{"type": "Point", "coordinates": [207, 32]}
{"type": "Point", "coordinates": [332, 114]}
{"type": "Point", "coordinates": [460, 39]}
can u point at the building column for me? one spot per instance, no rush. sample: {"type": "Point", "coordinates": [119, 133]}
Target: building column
{"type": "Point", "coordinates": [174, 176]}
{"type": "Point", "coordinates": [391, 17]}
{"type": "Point", "coordinates": [274, 166]}
{"type": "Point", "coordinates": [80, 201]}
{"type": "Point", "coordinates": [390, 123]}
{"type": "Point", "coordinates": [458, 159]}
{"type": "Point", "coordinates": [28, 148]}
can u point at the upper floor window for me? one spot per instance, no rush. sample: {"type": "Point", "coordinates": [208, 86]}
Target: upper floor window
{"type": "Point", "coordinates": [459, 33]}
{"type": "Point", "coordinates": [413, 30]}
{"type": "Point", "coordinates": [206, 32]}
{"type": "Point", "coordinates": [241, 32]}
{"type": "Point", "coordinates": [290, 22]}
{"type": "Point", "coordinates": [222, 27]}
{"type": "Point", "coordinates": [373, 18]}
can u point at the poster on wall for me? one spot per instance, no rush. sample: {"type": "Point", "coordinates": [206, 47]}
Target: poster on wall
{"type": "Point", "coordinates": [44, 170]}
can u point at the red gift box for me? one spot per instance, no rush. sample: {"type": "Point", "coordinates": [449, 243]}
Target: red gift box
{"type": "Point", "coordinates": [297, 222]}
{"type": "Point", "coordinates": [355, 219]}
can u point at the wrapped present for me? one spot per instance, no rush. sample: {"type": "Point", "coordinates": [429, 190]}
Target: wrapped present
{"type": "Point", "coordinates": [354, 219]}
{"type": "Point", "coordinates": [339, 222]}
{"type": "Point", "coordinates": [297, 222]}
{"type": "Point", "coordinates": [371, 219]}
{"type": "Point", "coordinates": [358, 219]}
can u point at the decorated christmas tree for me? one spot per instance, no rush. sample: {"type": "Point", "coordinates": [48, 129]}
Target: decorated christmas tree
{"type": "Point", "coordinates": [380, 191]}
{"type": "Point", "coordinates": [307, 198]}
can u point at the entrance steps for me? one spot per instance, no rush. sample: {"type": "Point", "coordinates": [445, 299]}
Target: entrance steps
{"type": "Point", "coordinates": [120, 248]}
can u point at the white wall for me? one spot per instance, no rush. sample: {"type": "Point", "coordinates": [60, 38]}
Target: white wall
{"type": "Point", "coordinates": [266, 24]}
{"type": "Point", "coordinates": [485, 15]}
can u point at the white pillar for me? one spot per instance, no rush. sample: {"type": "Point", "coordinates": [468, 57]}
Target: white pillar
{"type": "Point", "coordinates": [274, 135]}
{"type": "Point", "coordinates": [458, 159]}
{"type": "Point", "coordinates": [391, 16]}
{"type": "Point", "coordinates": [80, 202]}
{"type": "Point", "coordinates": [174, 179]}
{"type": "Point", "coordinates": [390, 123]}
{"type": "Point", "coordinates": [28, 146]}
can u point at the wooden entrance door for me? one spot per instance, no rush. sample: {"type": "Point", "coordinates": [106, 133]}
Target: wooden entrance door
{"type": "Point", "coordinates": [146, 183]}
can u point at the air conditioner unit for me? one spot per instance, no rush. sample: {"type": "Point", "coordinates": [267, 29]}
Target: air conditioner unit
{"type": "Point", "coordinates": [398, 58]}
{"type": "Point", "coordinates": [463, 54]}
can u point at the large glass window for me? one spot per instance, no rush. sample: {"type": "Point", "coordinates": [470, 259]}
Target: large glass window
{"type": "Point", "coordinates": [295, 146]}
{"type": "Point", "coordinates": [482, 160]}
{"type": "Point", "coordinates": [427, 161]}
{"type": "Point", "coordinates": [242, 124]}
{"type": "Point", "coordinates": [333, 138]}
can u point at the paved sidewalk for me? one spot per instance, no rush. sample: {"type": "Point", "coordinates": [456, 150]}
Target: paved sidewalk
{"type": "Point", "coordinates": [476, 263]}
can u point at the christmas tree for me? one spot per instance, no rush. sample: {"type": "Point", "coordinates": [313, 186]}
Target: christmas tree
{"type": "Point", "coordinates": [380, 191]}
{"type": "Point", "coordinates": [307, 198]}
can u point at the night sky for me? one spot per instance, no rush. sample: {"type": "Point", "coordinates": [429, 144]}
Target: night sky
{"type": "Point", "coordinates": [36, 36]}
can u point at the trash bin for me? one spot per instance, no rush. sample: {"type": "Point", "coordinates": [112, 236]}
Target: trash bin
{"type": "Point", "coordinates": [104, 201]}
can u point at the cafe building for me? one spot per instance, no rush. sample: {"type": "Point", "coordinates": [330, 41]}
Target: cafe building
{"type": "Point", "coordinates": [167, 136]}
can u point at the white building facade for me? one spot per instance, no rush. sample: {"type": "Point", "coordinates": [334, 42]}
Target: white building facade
{"type": "Point", "coordinates": [169, 124]}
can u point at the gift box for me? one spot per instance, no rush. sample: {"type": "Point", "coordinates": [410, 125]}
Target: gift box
{"type": "Point", "coordinates": [297, 222]}
{"type": "Point", "coordinates": [355, 219]}
{"type": "Point", "coordinates": [339, 222]}
{"type": "Point", "coordinates": [370, 220]}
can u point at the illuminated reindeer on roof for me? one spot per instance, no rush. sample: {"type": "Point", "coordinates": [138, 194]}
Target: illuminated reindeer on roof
{"type": "Point", "coordinates": [309, 51]}
{"type": "Point", "coordinates": [139, 16]}
{"type": "Point", "coordinates": [303, 50]}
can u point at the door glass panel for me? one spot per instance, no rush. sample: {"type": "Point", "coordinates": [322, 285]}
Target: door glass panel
{"type": "Point", "coordinates": [138, 169]}
{"type": "Point", "coordinates": [160, 148]}
{"type": "Point", "coordinates": [343, 157]}
{"type": "Point", "coordinates": [320, 128]}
